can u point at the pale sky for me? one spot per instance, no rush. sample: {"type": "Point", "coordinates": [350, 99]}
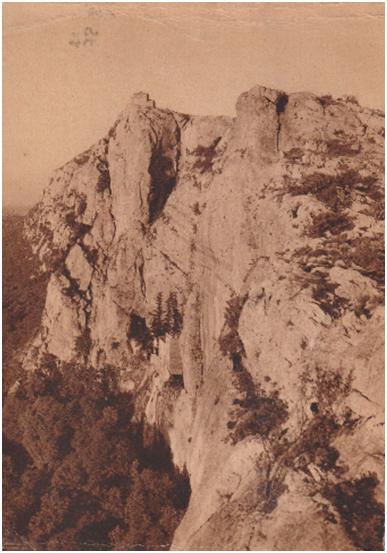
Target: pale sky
{"type": "Point", "coordinates": [64, 84]}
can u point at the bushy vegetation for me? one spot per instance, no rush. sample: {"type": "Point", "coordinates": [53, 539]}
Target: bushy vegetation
{"type": "Point", "coordinates": [336, 148]}
{"type": "Point", "coordinates": [327, 100]}
{"type": "Point", "coordinates": [361, 514]}
{"type": "Point", "coordinates": [350, 99]}
{"type": "Point", "coordinates": [77, 473]}
{"type": "Point", "coordinates": [353, 499]}
{"type": "Point", "coordinates": [167, 319]}
{"type": "Point", "coordinates": [264, 414]}
{"type": "Point", "coordinates": [83, 342]}
{"type": "Point", "coordinates": [366, 254]}
{"type": "Point", "coordinates": [141, 334]}
{"type": "Point", "coordinates": [206, 156]}
{"type": "Point", "coordinates": [337, 192]}
{"type": "Point", "coordinates": [255, 412]}
{"type": "Point", "coordinates": [324, 294]}
{"type": "Point", "coordinates": [230, 343]}
{"type": "Point", "coordinates": [24, 294]}
{"type": "Point", "coordinates": [329, 222]}
{"type": "Point", "coordinates": [363, 253]}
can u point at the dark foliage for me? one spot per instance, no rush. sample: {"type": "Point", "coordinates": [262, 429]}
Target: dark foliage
{"type": "Point", "coordinates": [327, 100]}
{"type": "Point", "coordinates": [167, 318]}
{"type": "Point", "coordinates": [338, 191]}
{"type": "Point", "coordinates": [324, 294]}
{"type": "Point", "coordinates": [72, 455]}
{"type": "Point", "coordinates": [329, 222]}
{"type": "Point", "coordinates": [24, 293]}
{"type": "Point", "coordinates": [368, 253]}
{"type": "Point", "coordinates": [140, 333]}
{"type": "Point", "coordinates": [364, 253]}
{"type": "Point", "coordinates": [206, 156]}
{"type": "Point", "coordinates": [83, 342]}
{"type": "Point", "coordinates": [313, 445]}
{"type": "Point", "coordinates": [361, 515]}
{"type": "Point", "coordinates": [323, 290]}
{"type": "Point", "coordinates": [230, 343]}
{"type": "Point", "coordinates": [336, 148]}
{"type": "Point", "coordinates": [349, 99]}
{"type": "Point", "coordinates": [258, 413]}
{"type": "Point", "coordinates": [173, 317]}
{"type": "Point", "coordinates": [158, 324]}
{"type": "Point", "coordinates": [78, 475]}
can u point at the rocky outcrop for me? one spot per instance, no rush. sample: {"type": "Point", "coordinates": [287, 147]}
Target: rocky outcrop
{"type": "Point", "coordinates": [231, 271]}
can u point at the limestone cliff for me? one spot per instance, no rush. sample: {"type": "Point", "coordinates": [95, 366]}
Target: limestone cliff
{"type": "Point", "coordinates": [231, 270]}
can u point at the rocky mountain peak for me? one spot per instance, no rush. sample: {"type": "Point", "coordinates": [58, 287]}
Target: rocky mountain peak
{"type": "Point", "coordinates": [231, 271]}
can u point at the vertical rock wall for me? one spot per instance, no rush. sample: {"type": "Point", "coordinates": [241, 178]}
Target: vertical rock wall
{"type": "Point", "coordinates": [266, 232]}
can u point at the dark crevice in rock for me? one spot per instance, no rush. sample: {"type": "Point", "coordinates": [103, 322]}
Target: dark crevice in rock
{"type": "Point", "coordinates": [280, 108]}
{"type": "Point", "coordinates": [174, 264]}
{"type": "Point", "coordinates": [140, 270]}
{"type": "Point", "coordinates": [140, 333]}
{"type": "Point", "coordinates": [282, 103]}
{"type": "Point", "coordinates": [163, 180]}
{"type": "Point", "coordinates": [103, 182]}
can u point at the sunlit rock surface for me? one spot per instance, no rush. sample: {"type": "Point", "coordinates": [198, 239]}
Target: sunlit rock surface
{"type": "Point", "coordinates": [260, 239]}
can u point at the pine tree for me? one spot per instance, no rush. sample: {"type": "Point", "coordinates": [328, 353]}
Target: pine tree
{"type": "Point", "coordinates": [174, 319]}
{"type": "Point", "coordinates": [168, 321]}
{"type": "Point", "coordinates": [158, 325]}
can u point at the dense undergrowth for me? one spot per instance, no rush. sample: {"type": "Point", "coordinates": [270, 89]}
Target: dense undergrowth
{"type": "Point", "coordinates": [24, 294]}
{"type": "Point", "coordinates": [309, 449]}
{"type": "Point", "coordinates": [78, 473]}
{"type": "Point", "coordinates": [255, 412]}
{"type": "Point", "coordinates": [343, 242]}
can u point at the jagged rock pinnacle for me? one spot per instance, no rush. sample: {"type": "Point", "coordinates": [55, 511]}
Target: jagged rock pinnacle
{"type": "Point", "coordinates": [263, 237]}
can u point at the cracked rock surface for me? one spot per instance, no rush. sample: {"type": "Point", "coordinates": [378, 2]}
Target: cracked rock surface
{"type": "Point", "coordinates": [263, 236]}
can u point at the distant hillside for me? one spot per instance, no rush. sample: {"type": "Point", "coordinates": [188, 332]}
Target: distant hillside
{"type": "Point", "coordinates": [20, 210]}
{"type": "Point", "coordinates": [24, 294]}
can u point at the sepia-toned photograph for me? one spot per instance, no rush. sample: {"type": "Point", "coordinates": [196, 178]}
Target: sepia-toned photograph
{"type": "Point", "coordinates": [193, 276]}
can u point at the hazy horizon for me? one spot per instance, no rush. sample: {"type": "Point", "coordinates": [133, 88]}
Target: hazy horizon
{"type": "Point", "coordinates": [70, 68]}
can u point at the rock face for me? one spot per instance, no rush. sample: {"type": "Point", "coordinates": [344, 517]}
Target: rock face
{"type": "Point", "coordinates": [232, 271]}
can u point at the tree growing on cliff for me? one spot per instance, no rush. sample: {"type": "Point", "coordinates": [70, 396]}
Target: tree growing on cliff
{"type": "Point", "coordinates": [77, 471]}
{"type": "Point", "coordinates": [173, 319]}
{"type": "Point", "coordinates": [158, 321]}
